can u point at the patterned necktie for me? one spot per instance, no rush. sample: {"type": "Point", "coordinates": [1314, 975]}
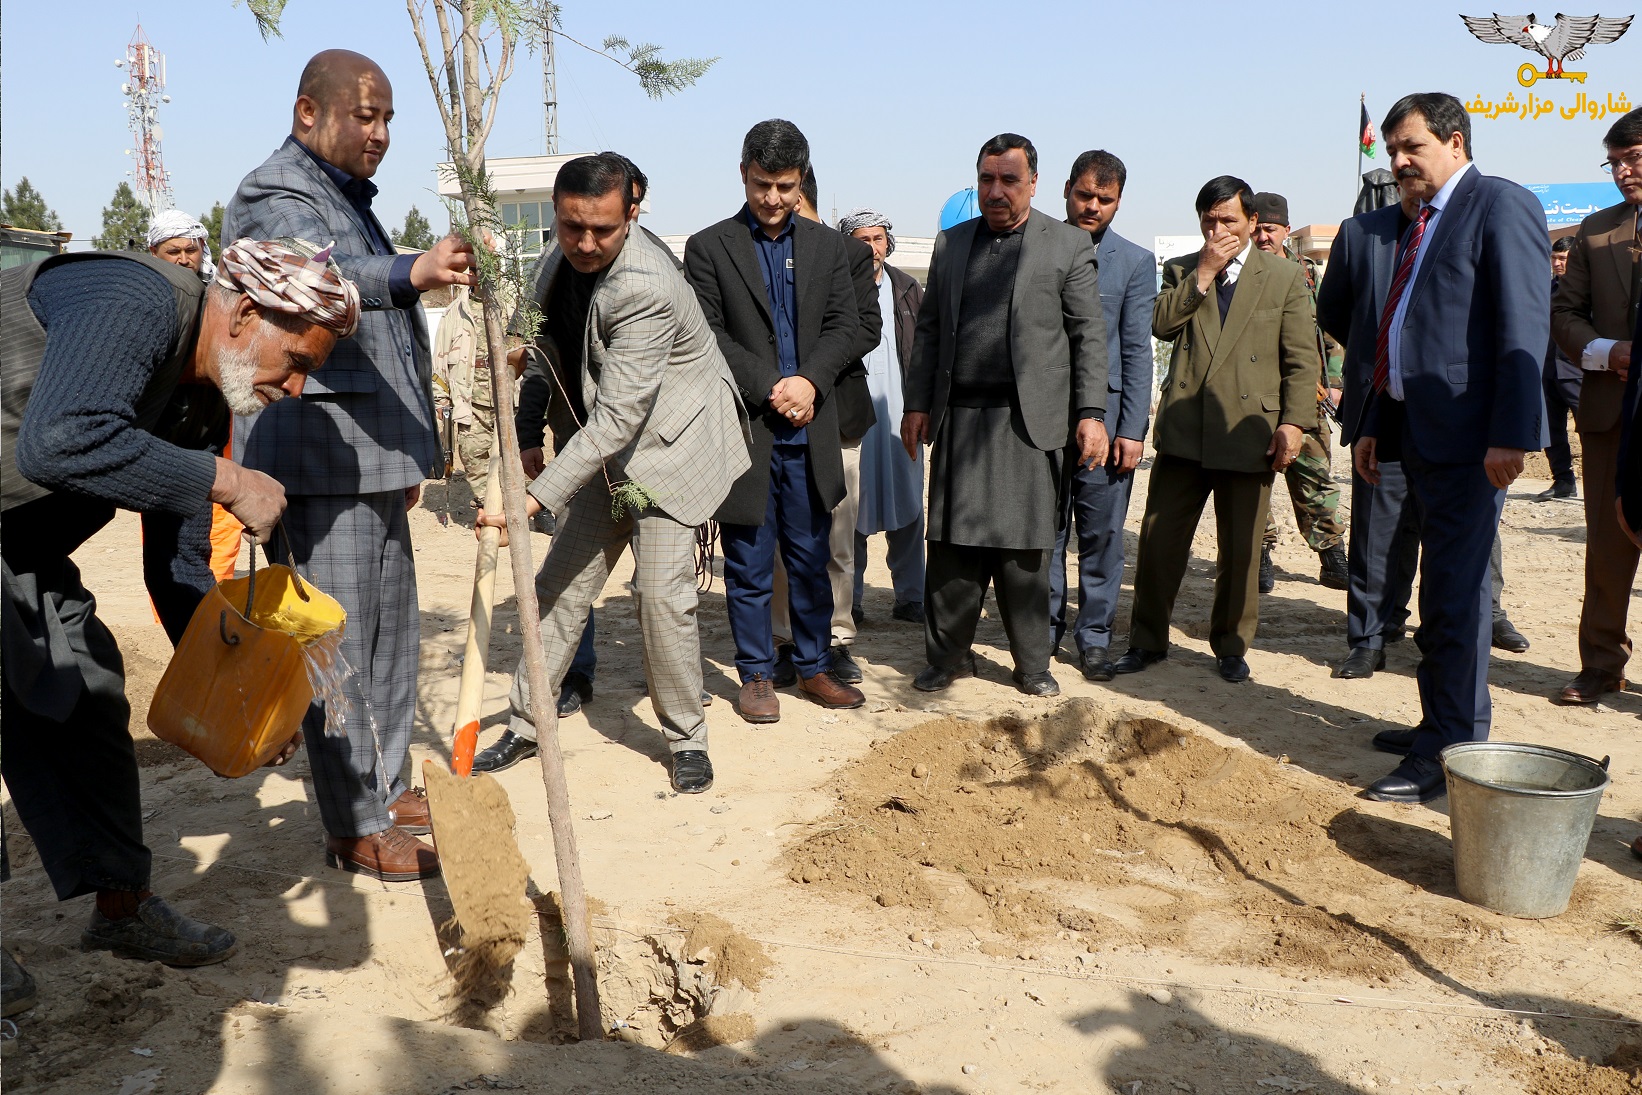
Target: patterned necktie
{"type": "Point", "coordinates": [1405, 270]}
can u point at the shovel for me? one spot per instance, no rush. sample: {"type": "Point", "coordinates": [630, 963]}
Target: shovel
{"type": "Point", "coordinates": [472, 818]}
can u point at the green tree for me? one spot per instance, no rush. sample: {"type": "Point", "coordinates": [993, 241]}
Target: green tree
{"type": "Point", "coordinates": [213, 230]}
{"type": "Point", "coordinates": [125, 222]}
{"type": "Point", "coordinates": [417, 233]}
{"type": "Point", "coordinates": [24, 207]}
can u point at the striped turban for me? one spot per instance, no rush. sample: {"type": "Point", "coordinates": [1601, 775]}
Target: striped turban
{"type": "Point", "coordinates": [295, 277]}
{"type": "Point", "coordinates": [174, 223]}
{"type": "Point", "coordinates": [867, 218]}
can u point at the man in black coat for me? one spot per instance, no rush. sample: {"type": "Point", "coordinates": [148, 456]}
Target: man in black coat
{"type": "Point", "coordinates": [855, 418]}
{"type": "Point", "coordinates": [777, 291]}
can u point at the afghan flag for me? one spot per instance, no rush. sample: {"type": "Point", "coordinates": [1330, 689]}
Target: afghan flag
{"type": "Point", "coordinates": [1365, 134]}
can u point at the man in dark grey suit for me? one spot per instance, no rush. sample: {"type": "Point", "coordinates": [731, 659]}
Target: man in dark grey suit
{"type": "Point", "coordinates": [1009, 360]}
{"type": "Point", "coordinates": [1099, 497]}
{"type": "Point", "coordinates": [1385, 539]}
{"type": "Point", "coordinates": [352, 453]}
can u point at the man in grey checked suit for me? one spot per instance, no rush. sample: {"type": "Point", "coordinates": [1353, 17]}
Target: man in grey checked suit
{"type": "Point", "coordinates": [1098, 498]}
{"type": "Point", "coordinates": [657, 407]}
{"type": "Point", "coordinates": [352, 453]}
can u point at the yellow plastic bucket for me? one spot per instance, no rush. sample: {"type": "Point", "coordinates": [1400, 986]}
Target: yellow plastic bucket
{"type": "Point", "coordinates": [237, 687]}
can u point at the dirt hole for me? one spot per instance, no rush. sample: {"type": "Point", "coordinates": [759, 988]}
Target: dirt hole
{"type": "Point", "coordinates": [681, 990]}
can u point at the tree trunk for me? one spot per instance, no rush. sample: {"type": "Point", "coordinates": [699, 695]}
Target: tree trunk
{"type": "Point", "coordinates": [543, 707]}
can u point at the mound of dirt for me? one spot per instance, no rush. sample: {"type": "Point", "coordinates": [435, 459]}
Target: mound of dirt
{"type": "Point", "coordinates": [1549, 1072]}
{"type": "Point", "coordinates": [1129, 830]}
{"type": "Point", "coordinates": [732, 956]}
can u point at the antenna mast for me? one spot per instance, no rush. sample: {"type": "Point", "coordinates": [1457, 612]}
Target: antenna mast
{"type": "Point", "coordinates": [550, 97]}
{"type": "Point", "coordinates": [144, 92]}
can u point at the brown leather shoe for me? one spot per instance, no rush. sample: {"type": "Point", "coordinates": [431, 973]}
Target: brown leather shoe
{"type": "Point", "coordinates": [392, 855]}
{"type": "Point", "coordinates": [410, 812]}
{"type": "Point", "coordinates": [1636, 847]}
{"type": "Point", "coordinates": [828, 691]}
{"type": "Point", "coordinates": [1589, 686]}
{"type": "Point", "coordinates": [758, 701]}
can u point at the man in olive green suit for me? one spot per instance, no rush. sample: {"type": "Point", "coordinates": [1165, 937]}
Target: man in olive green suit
{"type": "Point", "coordinates": [1241, 389]}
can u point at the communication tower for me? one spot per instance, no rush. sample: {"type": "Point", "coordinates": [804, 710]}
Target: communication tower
{"type": "Point", "coordinates": [550, 97]}
{"type": "Point", "coordinates": [144, 91]}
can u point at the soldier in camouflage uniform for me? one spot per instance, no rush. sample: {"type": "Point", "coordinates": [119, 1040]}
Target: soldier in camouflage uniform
{"type": "Point", "coordinates": [461, 386]}
{"type": "Point", "coordinates": [1310, 478]}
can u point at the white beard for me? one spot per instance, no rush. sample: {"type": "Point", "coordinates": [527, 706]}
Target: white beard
{"type": "Point", "coordinates": [236, 377]}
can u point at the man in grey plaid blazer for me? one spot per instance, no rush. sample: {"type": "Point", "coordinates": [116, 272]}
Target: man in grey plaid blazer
{"type": "Point", "coordinates": [657, 407]}
{"type": "Point", "coordinates": [352, 453]}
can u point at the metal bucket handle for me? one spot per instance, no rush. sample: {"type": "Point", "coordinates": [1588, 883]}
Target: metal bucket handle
{"type": "Point", "coordinates": [251, 581]}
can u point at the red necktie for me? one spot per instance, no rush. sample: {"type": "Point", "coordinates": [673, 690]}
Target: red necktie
{"type": "Point", "coordinates": [1405, 270]}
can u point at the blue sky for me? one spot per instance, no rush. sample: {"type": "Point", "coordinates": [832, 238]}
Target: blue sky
{"type": "Point", "coordinates": [895, 98]}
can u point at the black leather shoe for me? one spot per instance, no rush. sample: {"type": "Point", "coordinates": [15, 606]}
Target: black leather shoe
{"type": "Point", "coordinates": [1234, 668]}
{"type": "Point", "coordinates": [692, 771]}
{"type": "Point", "coordinates": [158, 933]}
{"type": "Point", "coordinates": [1334, 574]}
{"type": "Point", "coordinates": [1507, 637]}
{"type": "Point", "coordinates": [1362, 663]}
{"type": "Point", "coordinates": [575, 691]}
{"type": "Point", "coordinates": [911, 612]}
{"type": "Point", "coordinates": [937, 678]}
{"type": "Point", "coordinates": [785, 674]}
{"type": "Point", "coordinates": [1268, 572]}
{"type": "Point", "coordinates": [1036, 684]}
{"type": "Point", "coordinates": [1096, 663]}
{"type": "Point", "coordinates": [1135, 659]}
{"type": "Point", "coordinates": [1396, 742]}
{"type": "Point", "coordinates": [509, 750]}
{"type": "Point", "coordinates": [844, 667]}
{"type": "Point", "coordinates": [1562, 489]}
{"type": "Point", "coordinates": [1416, 779]}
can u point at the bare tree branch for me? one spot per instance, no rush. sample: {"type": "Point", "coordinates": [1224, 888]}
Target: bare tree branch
{"type": "Point", "coordinates": [414, 9]}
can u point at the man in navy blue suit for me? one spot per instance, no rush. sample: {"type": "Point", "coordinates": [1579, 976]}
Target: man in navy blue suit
{"type": "Point", "coordinates": [1099, 497]}
{"type": "Point", "coordinates": [1455, 395]}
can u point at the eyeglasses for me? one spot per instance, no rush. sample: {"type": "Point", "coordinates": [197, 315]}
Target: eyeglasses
{"type": "Point", "coordinates": [1631, 161]}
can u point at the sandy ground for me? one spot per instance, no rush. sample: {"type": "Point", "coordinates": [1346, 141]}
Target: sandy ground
{"type": "Point", "coordinates": [1161, 885]}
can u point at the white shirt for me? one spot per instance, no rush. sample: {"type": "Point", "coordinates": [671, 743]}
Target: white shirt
{"type": "Point", "coordinates": [1438, 202]}
{"type": "Point", "coordinates": [1595, 357]}
{"type": "Point", "coordinates": [1235, 266]}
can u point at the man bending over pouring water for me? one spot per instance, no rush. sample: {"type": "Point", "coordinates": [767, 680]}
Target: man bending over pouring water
{"type": "Point", "coordinates": [119, 371]}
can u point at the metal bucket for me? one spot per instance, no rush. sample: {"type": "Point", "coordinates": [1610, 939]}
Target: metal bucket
{"type": "Point", "coordinates": [1522, 815]}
